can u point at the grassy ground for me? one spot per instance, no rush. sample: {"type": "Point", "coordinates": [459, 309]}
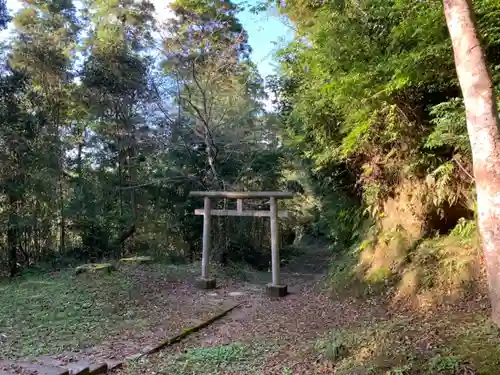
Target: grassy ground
{"type": "Point", "coordinates": [50, 313]}
{"type": "Point", "coordinates": [235, 358]}
{"type": "Point", "coordinates": [54, 312]}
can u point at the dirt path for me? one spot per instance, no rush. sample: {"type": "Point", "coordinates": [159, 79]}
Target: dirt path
{"type": "Point", "coordinates": [279, 336]}
{"type": "Point", "coordinates": [288, 323]}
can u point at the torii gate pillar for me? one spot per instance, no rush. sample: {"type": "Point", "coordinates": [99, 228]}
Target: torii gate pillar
{"type": "Point", "coordinates": [273, 289]}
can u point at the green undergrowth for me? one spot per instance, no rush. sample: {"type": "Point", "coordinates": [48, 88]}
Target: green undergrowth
{"type": "Point", "coordinates": [234, 358]}
{"type": "Point", "coordinates": [408, 268]}
{"type": "Point", "coordinates": [446, 345]}
{"type": "Point", "coordinates": [47, 313]}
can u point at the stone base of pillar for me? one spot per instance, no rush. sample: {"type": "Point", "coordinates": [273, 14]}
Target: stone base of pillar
{"type": "Point", "coordinates": [276, 290]}
{"type": "Point", "coordinates": [205, 283]}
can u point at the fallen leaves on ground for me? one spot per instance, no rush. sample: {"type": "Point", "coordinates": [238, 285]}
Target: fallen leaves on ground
{"type": "Point", "coordinates": [308, 332]}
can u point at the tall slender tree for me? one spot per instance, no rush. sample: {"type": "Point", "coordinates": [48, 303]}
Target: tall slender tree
{"type": "Point", "coordinates": [206, 52]}
{"type": "Point", "coordinates": [484, 133]}
{"type": "Point", "coordinates": [43, 50]}
{"type": "Point", "coordinates": [115, 78]}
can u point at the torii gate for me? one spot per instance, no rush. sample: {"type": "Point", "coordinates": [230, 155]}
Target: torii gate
{"type": "Point", "coordinates": [274, 289]}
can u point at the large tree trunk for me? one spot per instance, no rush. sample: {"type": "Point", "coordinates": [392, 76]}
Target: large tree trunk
{"type": "Point", "coordinates": [482, 125]}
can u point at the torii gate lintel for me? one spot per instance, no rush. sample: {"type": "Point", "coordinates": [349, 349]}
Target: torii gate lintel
{"type": "Point", "coordinates": [274, 289]}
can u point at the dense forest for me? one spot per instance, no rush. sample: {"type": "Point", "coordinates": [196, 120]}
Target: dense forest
{"type": "Point", "coordinates": [109, 118]}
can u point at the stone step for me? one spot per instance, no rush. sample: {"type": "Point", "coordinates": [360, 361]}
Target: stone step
{"type": "Point", "coordinates": [14, 368]}
{"type": "Point", "coordinates": [99, 368]}
{"type": "Point", "coordinates": [82, 363]}
{"type": "Point", "coordinates": [68, 362]}
{"type": "Point", "coordinates": [61, 365]}
{"type": "Point", "coordinates": [78, 369]}
{"type": "Point", "coordinates": [113, 363]}
{"type": "Point", "coordinates": [102, 365]}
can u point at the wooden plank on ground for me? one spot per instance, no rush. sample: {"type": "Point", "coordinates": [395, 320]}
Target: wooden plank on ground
{"type": "Point", "coordinates": [185, 333]}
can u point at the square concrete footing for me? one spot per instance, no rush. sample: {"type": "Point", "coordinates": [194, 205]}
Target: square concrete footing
{"type": "Point", "coordinates": [205, 283]}
{"type": "Point", "coordinates": [276, 290]}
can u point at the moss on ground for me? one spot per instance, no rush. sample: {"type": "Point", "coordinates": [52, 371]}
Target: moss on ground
{"type": "Point", "coordinates": [42, 314]}
{"type": "Point", "coordinates": [461, 344]}
{"type": "Point", "coordinates": [95, 267]}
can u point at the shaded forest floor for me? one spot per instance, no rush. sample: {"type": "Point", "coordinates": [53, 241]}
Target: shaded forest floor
{"type": "Point", "coordinates": [308, 332]}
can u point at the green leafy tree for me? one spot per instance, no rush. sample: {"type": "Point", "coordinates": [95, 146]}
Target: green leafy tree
{"type": "Point", "coordinates": [41, 61]}
{"type": "Point", "coordinates": [365, 89]}
{"type": "Point", "coordinates": [221, 128]}
{"type": "Point", "coordinates": [17, 135]}
{"type": "Point", "coordinates": [115, 86]}
{"type": "Point", "coordinates": [207, 54]}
